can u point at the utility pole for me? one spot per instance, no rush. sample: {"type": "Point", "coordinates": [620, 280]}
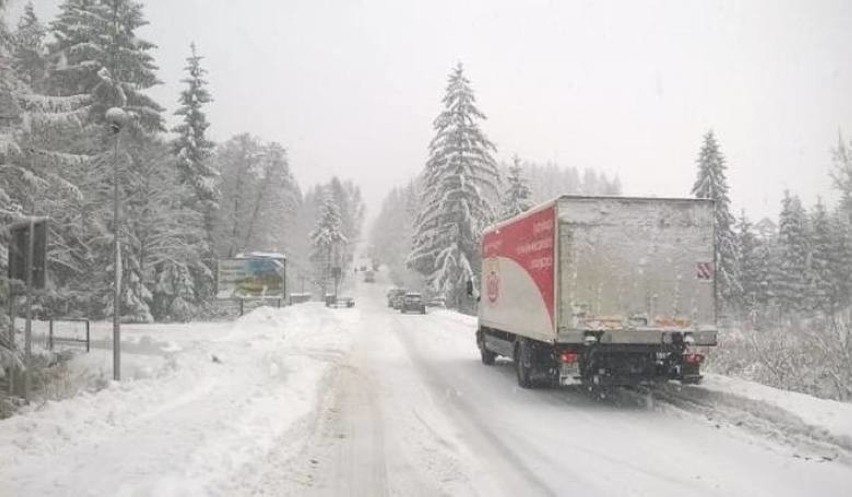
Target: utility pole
{"type": "Point", "coordinates": [12, 345]}
{"type": "Point", "coordinates": [28, 330]}
{"type": "Point", "coordinates": [116, 118]}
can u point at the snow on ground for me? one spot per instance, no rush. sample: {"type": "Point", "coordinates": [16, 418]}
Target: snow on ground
{"type": "Point", "coordinates": [829, 415]}
{"type": "Point", "coordinates": [366, 401]}
{"type": "Point", "coordinates": [823, 418]}
{"type": "Point", "coordinates": [195, 408]}
{"type": "Point", "coordinates": [816, 428]}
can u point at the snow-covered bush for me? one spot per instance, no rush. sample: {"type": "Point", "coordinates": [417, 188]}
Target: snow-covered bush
{"type": "Point", "coordinates": [813, 356]}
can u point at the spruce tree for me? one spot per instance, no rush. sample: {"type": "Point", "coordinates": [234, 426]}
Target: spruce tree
{"type": "Point", "coordinates": [820, 276]}
{"type": "Point", "coordinates": [163, 240]}
{"type": "Point", "coordinates": [750, 274]}
{"type": "Point", "coordinates": [842, 176]}
{"type": "Point", "coordinates": [191, 146]}
{"type": "Point", "coordinates": [790, 281]}
{"type": "Point", "coordinates": [711, 183]}
{"type": "Point", "coordinates": [327, 239]}
{"type": "Point", "coordinates": [347, 197]}
{"type": "Point", "coordinates": [390, 237]}
{"type": "Point", "coordinates": [194, 151]}
{"type": "Point", "coordinates": [29, 54]}
{"type": "Point", "coordinates": [517, 196]}
{"type": "Point", "coordinates": [765, 262]}
{"type": "Point", "coordinates": [459, 178]}
{"type": "Point", "coordinates": [100, 54]}
{"type": "Point", "coordinates": [840, 228]}
{"type": "Point", "coordinates": [39, 174]}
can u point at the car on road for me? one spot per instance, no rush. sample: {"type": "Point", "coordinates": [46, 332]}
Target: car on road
{"type": "Point", "coordinates": [332, 300]}
{"type": "Point", "coordinates": [369, 277]}
{"type": "Point", "coordinates": [395, 296]}
{"type": "Point", "coordinates": [436, 301]}
{"type": "Point", "coordinates": [413, 302]}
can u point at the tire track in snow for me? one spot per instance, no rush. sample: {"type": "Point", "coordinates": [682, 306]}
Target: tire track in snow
{"type": "Point", "coordinates": [768, 421]}
{"type": "Point", "coordinates": [509, 466]}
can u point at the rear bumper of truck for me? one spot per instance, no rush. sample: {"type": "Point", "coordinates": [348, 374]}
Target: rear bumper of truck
{"type": "Point", "coordinates": [637, 337]}
{"type": "Point", "coordinates": [604, 358]}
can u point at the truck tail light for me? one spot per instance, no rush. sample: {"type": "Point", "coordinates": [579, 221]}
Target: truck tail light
{"type": "Point", "coordinates": [693, 358]}
{"type": "Point", "coordinates": [569, 357]}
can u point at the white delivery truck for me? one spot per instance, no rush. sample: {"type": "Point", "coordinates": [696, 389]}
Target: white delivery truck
{"type": "Point", "coordinates": [600, 291]}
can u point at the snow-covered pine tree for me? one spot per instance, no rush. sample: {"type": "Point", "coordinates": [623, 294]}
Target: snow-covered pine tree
{"type": "Point", "coordinates": [822, 262]}
{"type": "Point", "coordinates": [347, 196]}
{"type": "Point", "coordinates": [591, 183]}
{"type": "Point", "coordinates": [163, 239]}
{"type": "Point", "coordinates": [274, 203]}
{"type": "Point", "coordinates": [327, 240]}
{"type": "Point", "coordinates": [260, 199]}
{"type": "Point", "coordinates": [390, 237]}
{"type": "Point", "coordinates": [517, 195]}
{"type": "Point", "coordinates": [711, 183]}
{"type": "Point", "coordinates": [790, 279]}
{"type": "Point", "coordinates": [459, 177]}
{"type": "Point", "coordinates": [765, 260]}
{"type": "Point", "coordinates": [841, 222]}
{"type": "Point", "coordinates": [99, 53]}
{"type": "Point", "coordinates": [195, 169]}
{"type": "Point", "coordinates": [750, 268]}
{"type": "Point", "coordinates": [38, 176]}
{"type": "Point", "coordinates": [840, 228]}
{"type": "Point", "coordinates": [29, 57]}
{"type": "Point", "coordinates": [550, 180]}
{"type": "Point", "coordinates": [191, 146]}
{"type": "Point", "coordinates": [842, 176]}
{"type": "Point", "coordinates": [611, 187]}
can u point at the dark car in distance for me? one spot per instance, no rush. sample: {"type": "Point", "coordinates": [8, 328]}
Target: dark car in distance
{"type": "Point", "coordinates": [395, 296]}
{"type": "Point", "coordinates": [413, 302]}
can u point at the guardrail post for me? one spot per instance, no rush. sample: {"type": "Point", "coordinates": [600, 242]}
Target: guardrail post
{"type": "Point", "coordinates": [88, 340]}
{"type": "Point", "coordinates": [50, 335]}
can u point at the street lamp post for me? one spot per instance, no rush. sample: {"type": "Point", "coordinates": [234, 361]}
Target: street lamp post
{"type": "Point", "coordinates": [116, 118]}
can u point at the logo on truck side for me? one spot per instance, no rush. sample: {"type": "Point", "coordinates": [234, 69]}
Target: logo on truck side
{"type": "Point", "coordinates": [529, 243]}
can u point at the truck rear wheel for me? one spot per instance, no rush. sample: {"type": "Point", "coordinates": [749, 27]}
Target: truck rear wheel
{"type": "Point", "coordinates": [523, 364]}
{"type": "Point", "coordinates": [487, 356]}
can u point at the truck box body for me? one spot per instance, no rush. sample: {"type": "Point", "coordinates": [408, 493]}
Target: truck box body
{"type": "Point", "coordinates": [625, 270]}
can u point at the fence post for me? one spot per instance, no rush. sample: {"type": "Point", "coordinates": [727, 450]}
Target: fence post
{"type": "Point", "coordinates": [242, 301]}
{"type": "Point", "coordinates": [50, 335]}
{"type": "Point", "coordinates": [88, 340]}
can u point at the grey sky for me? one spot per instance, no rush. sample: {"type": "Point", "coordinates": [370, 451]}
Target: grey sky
{"type": "Point", "coordinates": [351, 88]}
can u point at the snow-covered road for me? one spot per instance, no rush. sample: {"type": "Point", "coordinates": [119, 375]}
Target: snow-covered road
{"type": "Point", "coordinates": [414, 412]}
{"type": "Point", "coordinates": [365, 401]}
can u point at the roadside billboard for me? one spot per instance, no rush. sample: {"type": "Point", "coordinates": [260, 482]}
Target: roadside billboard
{"type": "Point", "coordinates": [251, 277]}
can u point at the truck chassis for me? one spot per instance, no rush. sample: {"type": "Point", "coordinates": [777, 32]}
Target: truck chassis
{"type": "Point", "coordinates": [540, 364]}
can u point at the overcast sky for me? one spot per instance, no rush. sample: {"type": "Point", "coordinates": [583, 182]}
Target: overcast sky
{"type": "Point", "coordinates": [628, 88]}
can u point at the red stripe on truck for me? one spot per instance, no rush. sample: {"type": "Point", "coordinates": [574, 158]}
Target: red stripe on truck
{"type": "Point", "coordinates": [530, 242]}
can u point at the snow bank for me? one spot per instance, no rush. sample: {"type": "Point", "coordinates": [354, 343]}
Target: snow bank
{"type": "Point", "coordinates": [832, 417]}
{"type": "Point", "coordinates": [194, 407]}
